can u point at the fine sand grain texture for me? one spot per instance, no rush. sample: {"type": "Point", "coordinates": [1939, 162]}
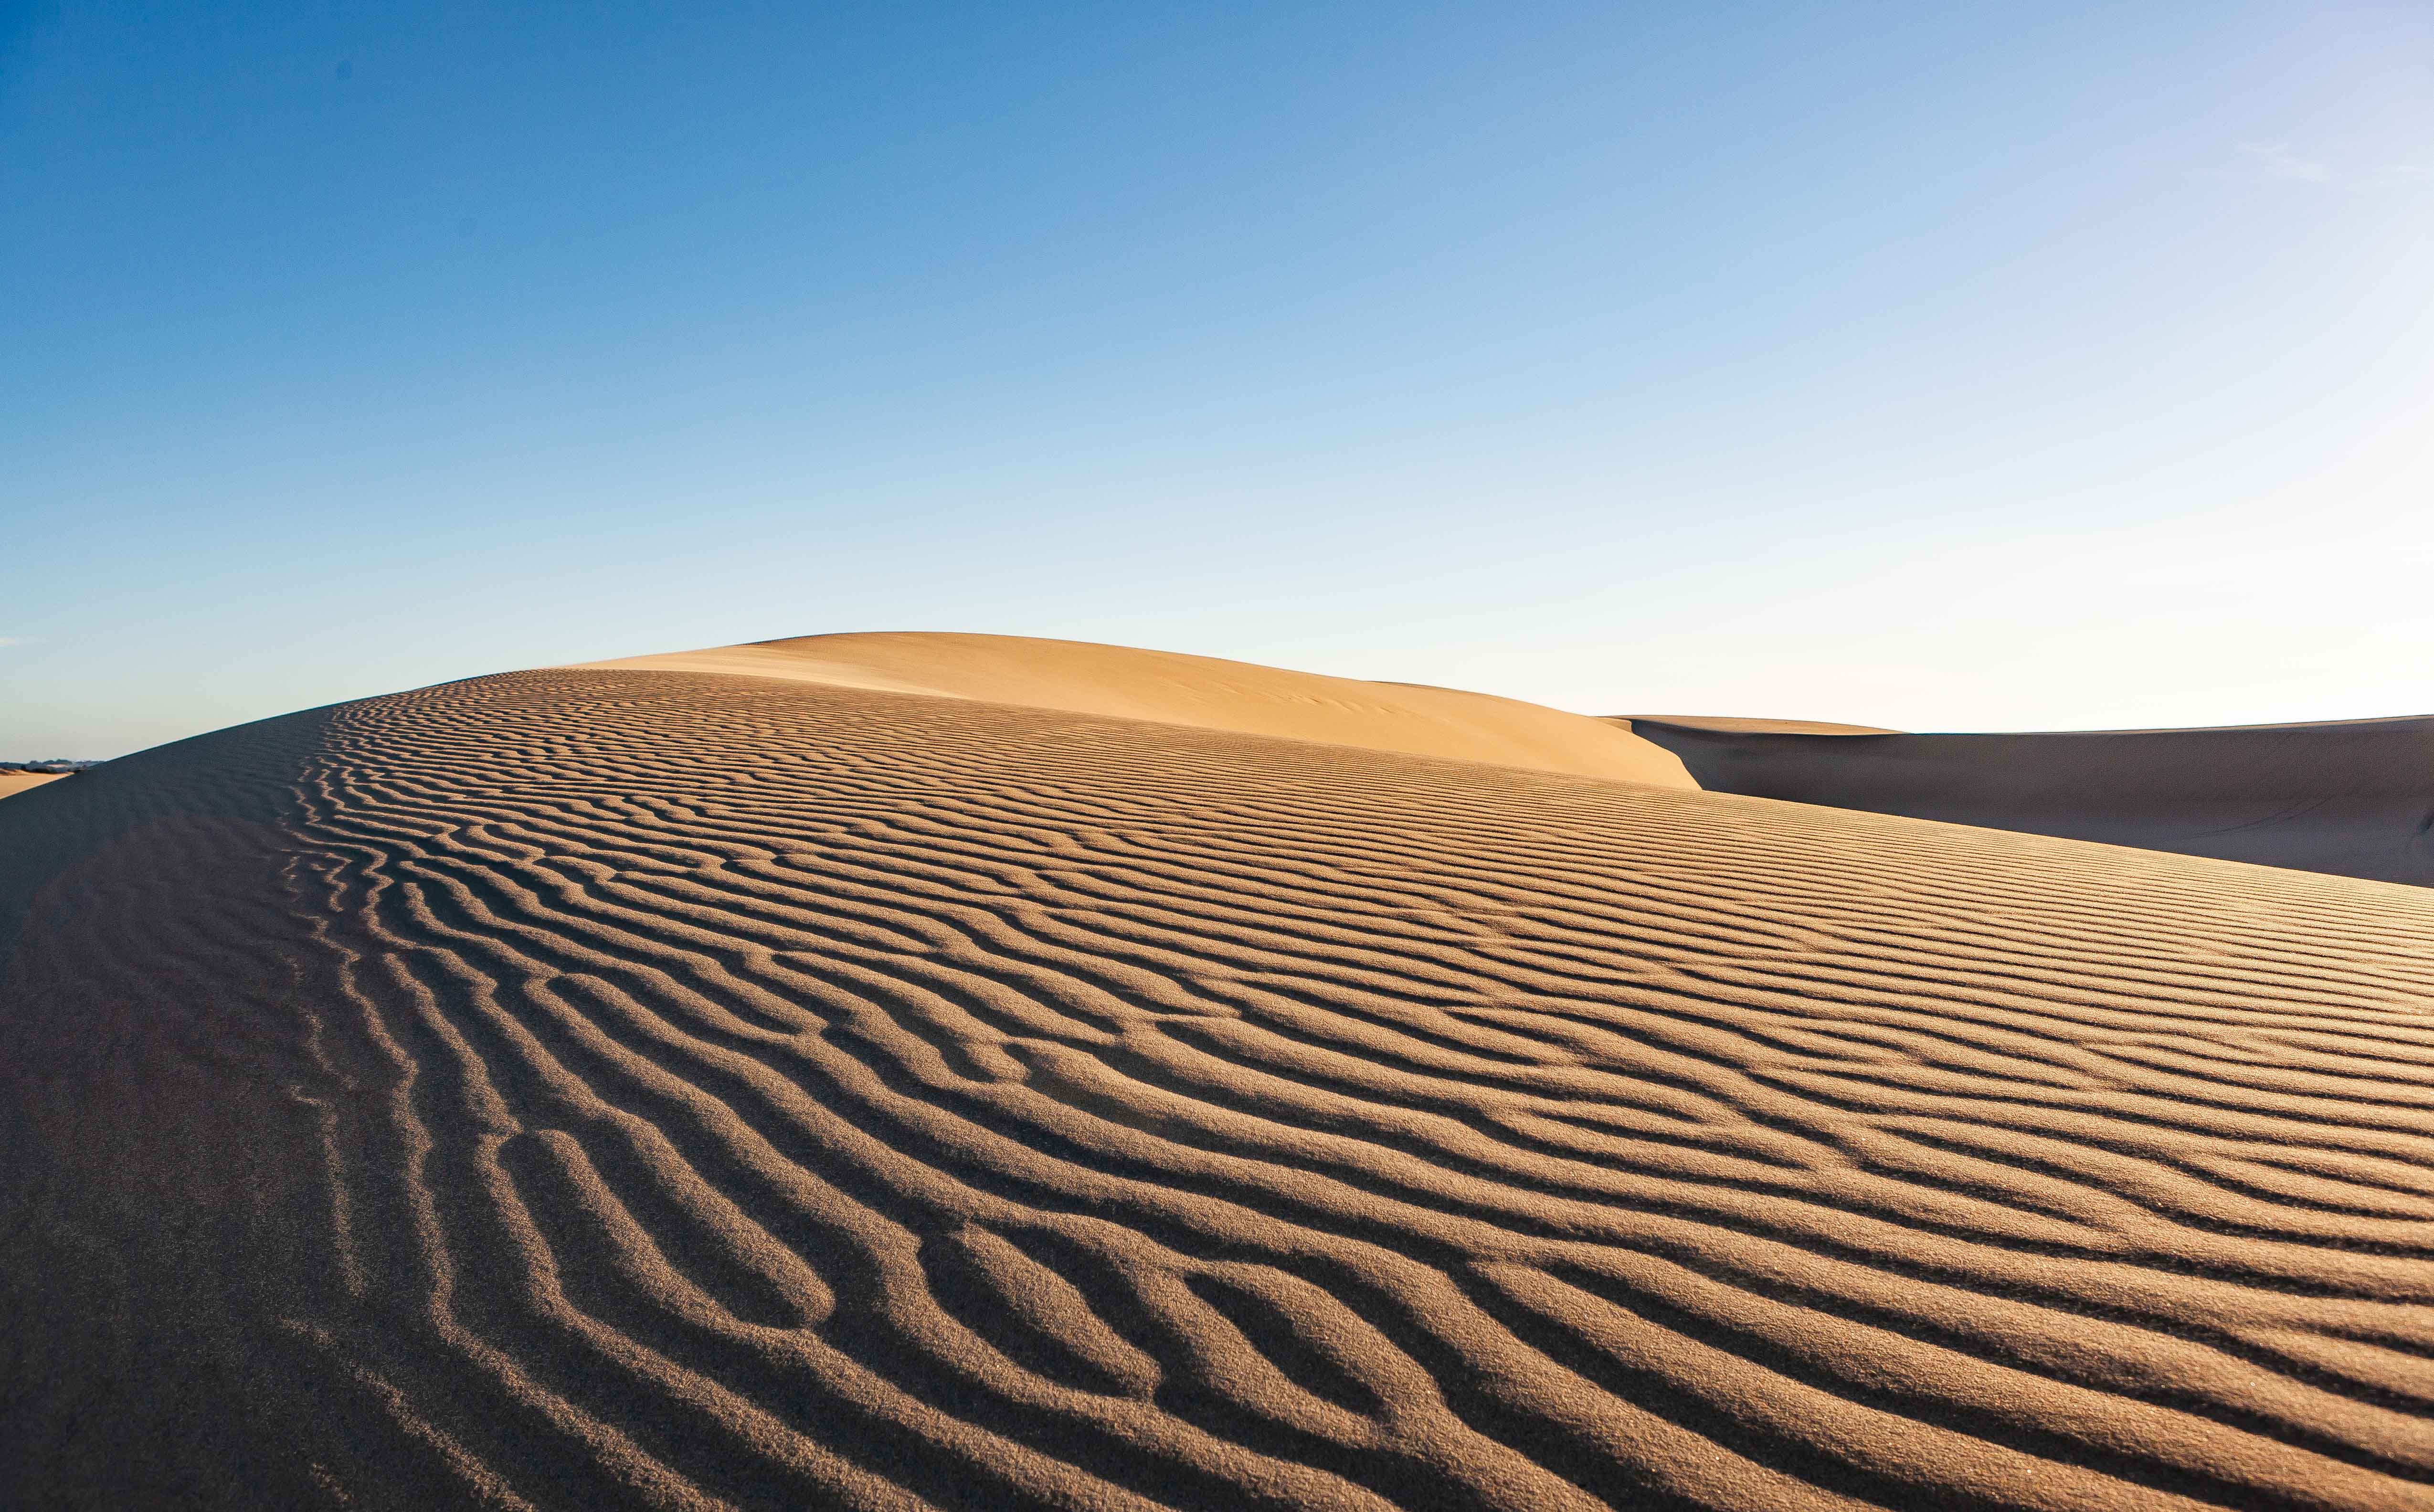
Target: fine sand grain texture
{"type": "Point", "coordinates": [1124, 683]}
{"type": "Point", "coordinates": [13, 783]}
{"type": "Point", "coordinates": [2355, 799]}
{"type": "Point", "coordinates": [601, 1090]}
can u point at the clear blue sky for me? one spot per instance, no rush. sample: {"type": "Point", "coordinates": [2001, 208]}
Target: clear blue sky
{"type": "Point", "coordinates": [1944, 367]}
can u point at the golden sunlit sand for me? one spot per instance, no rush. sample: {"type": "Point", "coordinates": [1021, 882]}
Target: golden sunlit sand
{"type": "Point", "coordinates": [895, 1072]}
{"type": "Point", "coordinates": [1236, 696]}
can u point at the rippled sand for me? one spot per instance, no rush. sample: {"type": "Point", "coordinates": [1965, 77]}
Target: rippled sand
{"type": "Point", "coordinates": [599, 1089]}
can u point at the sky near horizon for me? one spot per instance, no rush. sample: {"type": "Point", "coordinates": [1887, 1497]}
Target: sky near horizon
{"type": "Point", "coordinates": [1932, 367]}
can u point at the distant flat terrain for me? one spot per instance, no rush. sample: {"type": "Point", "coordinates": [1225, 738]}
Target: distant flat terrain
{"type": "Point", "coordinates": [605, 1089]}
{"type": "Point", "coordinates": [2354, 797]}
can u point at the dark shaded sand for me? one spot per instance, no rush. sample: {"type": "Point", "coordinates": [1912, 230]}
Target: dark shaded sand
{"type": "Point", "coordinates": [625, 1088]}
{"type": "Point", "coordinates": [2355, 799]}
{"type": "Point", "coordinates": [1756, 727]}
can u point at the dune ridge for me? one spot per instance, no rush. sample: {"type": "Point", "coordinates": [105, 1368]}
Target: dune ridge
{"type": "Point", "coordinates": [1743, 725]}
{"type": "Point", "coordinates": [1167, 687]}
{"type": "Point", "coordinates": [608, 1089]}
{"type": "Point", "coordinates": [2350, 798]}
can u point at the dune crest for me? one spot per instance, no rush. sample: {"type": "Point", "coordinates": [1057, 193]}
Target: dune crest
{"type": "Point", "coordinates": [1206, 693]}
{"type": "Point", "coordinates": [1741, 725]}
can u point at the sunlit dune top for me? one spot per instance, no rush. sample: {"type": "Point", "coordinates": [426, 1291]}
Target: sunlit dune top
{"type": "Point", "coordinates": [1171, 688]}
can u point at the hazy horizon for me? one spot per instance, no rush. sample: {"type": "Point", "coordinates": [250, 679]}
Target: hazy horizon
{"type": "Point", "coordinates": [1938, 371]}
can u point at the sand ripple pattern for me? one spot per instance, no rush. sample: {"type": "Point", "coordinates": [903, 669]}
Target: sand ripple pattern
{"type": "Point", "coordinates": [726, 1093]}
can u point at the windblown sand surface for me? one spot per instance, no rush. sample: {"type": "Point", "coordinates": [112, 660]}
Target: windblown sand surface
{"type": "Point", "coordinates": [13, 783]}
{"type": "Point", "coordinates": [2355, 799]}
{"type": "Point", "coordinates": [1202, 691]}
{"type": "Point", "coordinates": [618, 1088]}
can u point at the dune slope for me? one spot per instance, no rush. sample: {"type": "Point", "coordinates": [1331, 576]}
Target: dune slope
{"type": "Point", "coordinates": [13, 783]}
{"type": "Point", "coordinates": [2354, 799]}
{"type": "Point", "coordinates": [1203, 691]}
{"type": "Point", "coordinates": [1741, 725]}
{"type": "Point", "coordinates": [617, 1089]}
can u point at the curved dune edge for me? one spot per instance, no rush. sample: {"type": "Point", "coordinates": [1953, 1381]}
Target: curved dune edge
{"type": "Point", "coordinates": [1750, 726]}
{"type": "Point", "coordinates": [595, 1089]}
{"type": "Point", "coordinates": [2350, 797]}
{"type": "Point", "coordinates": [1168, 687]}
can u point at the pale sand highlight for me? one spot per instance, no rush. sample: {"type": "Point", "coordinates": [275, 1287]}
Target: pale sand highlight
{"type": "Point", "coordinates": [1203, 692]}
{"type": "Point", "coordinates": [611, 1088]}
{"type": "Point", "coordinates": [2353, 797]}
{"type": "Point", "coordinates": [13, 783]}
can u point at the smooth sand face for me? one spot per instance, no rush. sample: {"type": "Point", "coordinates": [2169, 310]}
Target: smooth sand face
{"type": "Point", "coordinates": [13, 782]}
{"type": "Point", "coordinates": [1203, 692]}
{"type": "Point", "coordinates": [611, 1088]}
{"type": "Point", "coordinates": [2354, 797]}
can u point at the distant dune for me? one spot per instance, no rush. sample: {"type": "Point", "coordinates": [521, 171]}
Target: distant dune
{"type": "Point", "coordinates": [2354, 799]}
{"type": "Point", "coordinates": [1199, 691]}
{"type": "Point", "coordinates": [601, 1089]}
{"type": "Point", "coordinates": [13, 782]}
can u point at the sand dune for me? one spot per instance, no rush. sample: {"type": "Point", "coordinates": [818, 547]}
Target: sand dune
{"type": "Point", "coordinates": [2354, 799]}
{"type": "Point", "coordinates": [1752, 727]}
{"type": "Point", "coordinates": [1203, 692]}
{"type": "Point", "coordinates": [605, 1089]}
{"type": "Point", "coordinates": [14, 783]}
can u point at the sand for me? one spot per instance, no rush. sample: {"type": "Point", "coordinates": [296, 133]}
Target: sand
{"type": "Point", "coordinates": [13, 783]}
{"type": "Point", "coordinates": [602, 1089]}
{"type": "Point", "coordinates": [2354, 799]}
{"type": "Point", "coordinates": [1202, 691]}
{"type": "Point", "coordinates": [1747, 726]}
